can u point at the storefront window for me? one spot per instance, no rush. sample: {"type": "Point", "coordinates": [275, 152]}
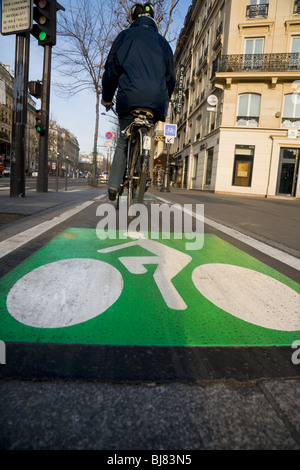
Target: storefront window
{"type": "Point", "coordinates": [243, 165]}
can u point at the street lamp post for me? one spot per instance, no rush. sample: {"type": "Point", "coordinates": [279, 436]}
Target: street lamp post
{"type": "Point", "coordinates": [166, 185]}
{"type": "Point", "coordinates": [57, 155]}
{"type": "Point", "coordinates": [66, 174]}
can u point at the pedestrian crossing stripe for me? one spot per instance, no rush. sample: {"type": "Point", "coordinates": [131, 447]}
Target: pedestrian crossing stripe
{"type": "Point", "coordinates": [79, 289]}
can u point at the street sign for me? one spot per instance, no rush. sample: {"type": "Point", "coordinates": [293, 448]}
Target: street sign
{"type": "Point", "coordinates": [170, 140]}
{"type": "Point", "coordinates": [16, 16]}
{"type": "Point", "coordinates": [212, 100]}
{"type": "Point", "coordinates": [170, 130]}
{"type": "Point", "coordinates": [292, 133]}
{"type": "Point", "coordinates": [109, 135]}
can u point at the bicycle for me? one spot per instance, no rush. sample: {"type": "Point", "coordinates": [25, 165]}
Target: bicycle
{"type": "Point", "coordinates": [137, 178]}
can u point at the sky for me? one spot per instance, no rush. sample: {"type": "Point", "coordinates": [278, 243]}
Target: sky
{"type": "Point", "coordinates": [77, 112]}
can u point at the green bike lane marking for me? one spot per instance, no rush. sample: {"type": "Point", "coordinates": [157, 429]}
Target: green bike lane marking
{"type": "Point", "coordinates": [79, 289]}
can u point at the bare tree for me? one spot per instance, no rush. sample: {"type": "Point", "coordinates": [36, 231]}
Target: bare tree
{"type": "Point", "coordinates": [164, 10]}
{"type": "Point", "coordinates": [89, 28]}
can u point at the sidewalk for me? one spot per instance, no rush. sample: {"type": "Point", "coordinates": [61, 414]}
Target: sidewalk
{"type": "Point", "coordinates": [170, 412]}
{"type": "Point", "coordinates": [18, 214]}
{"type": "Point", "coordinates": [35, 202]}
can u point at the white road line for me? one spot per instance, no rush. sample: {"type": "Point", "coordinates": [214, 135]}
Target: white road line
{"type": "Point", "coordinates": [16, 241]}
{"type": "Point", "coordinates": [260, 246]}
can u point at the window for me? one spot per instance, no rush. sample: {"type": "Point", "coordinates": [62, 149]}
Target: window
{"type": "Point", "coordinates": [257, 9]}
{"type": "Point", "coordinates": [248, 110]}
{"type": "Point", "coordinates": [194, 167]}
{"type": "Point", "coordinates": [254, 49]}
{"type": "Point", "coordinates": [243, 164]}
{"type": "Point", "coordinates": [291, 111]}
{"type": "Point", "coordinates": [198, 127]}
{"type": "Point", "coordinates": [209, 164]}
{"type": "Point", "coordinates": [295, 53]}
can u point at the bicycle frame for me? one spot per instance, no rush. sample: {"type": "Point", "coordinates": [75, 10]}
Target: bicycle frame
{"type": "Point", "coordinates": [138, 156]}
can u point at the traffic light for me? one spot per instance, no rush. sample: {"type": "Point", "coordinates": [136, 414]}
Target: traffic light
{"type": "Point", "coordinates": [36, 89]}
{"type": "Point", "coordinates": [44, 14]}
{"type": "Point", "coordinates": [40, 122]}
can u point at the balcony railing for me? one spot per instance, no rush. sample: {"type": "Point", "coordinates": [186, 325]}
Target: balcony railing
{"type": "Point", "coordinates": [258, 63]}
{"type": "Point", "coordinates": [290, 122]}
{"type": "Point", "coordinates": [251, 121]}
{"type": "Point", "coordinates": [257, 11]}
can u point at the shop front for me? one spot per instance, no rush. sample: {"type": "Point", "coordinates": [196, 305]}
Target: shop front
{"type": "Point", "coordinates": [288, 171]}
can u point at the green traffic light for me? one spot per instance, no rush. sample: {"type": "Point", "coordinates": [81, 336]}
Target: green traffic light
{"type": "Point", "coordinates": [42, 36]}
{"type": "Point", "coordinates": [38, 128]}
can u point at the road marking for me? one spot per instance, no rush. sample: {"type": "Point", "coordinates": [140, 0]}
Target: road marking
{"type": "Point", "coordinates": [169, 263]}
{"type": "Point", "coordinates": [249, 295]}
{"type": "Point", "coordinates": [61, 304]}
{"type": "Point", "coordinates": [80, 289]}
{"type": "Point", "coordinates": [260, 246]}
{"type": "Point", "coordinates": [16, 241]}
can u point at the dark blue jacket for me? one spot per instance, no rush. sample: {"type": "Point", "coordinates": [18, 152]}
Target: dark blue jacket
{"type": "Point", "coordinates": [140, 65]}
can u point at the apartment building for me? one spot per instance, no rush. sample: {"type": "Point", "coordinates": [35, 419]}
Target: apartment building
{"type": "Point", "coordinates": [63, 148]}
{"type": "Point", "coordinates": [6, 112]}
{"type": "Point", "coordinates": [237, 99]}
{"type": "Point", "coordinates": [6, 121]}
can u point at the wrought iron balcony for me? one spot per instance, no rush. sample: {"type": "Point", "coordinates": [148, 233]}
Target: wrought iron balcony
{"type": "Point", "coordinates": [251, 121]}
{"type": "Point", "coordinates": [290, 122]}
{"type": "Point", "coordinates": [257, 11]}
{"type": "Point", "coordinates": [258, 63]}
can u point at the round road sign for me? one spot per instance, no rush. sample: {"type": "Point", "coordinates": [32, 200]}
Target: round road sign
{"type": "Point", "coordinates": [212, 100]}
{"type": "Point", "coordinates": [109, 135]}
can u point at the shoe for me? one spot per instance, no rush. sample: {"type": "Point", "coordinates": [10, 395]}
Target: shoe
{"type": "Point", "coordinates": [112, 194]}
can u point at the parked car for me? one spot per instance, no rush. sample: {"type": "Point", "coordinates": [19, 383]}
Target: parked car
{"type": "Point", "coordinates": [34, 173]}
{"type": "Point", "coordinates": [104, 176]}
{"type": "Point", "coordinates": [6, 171]}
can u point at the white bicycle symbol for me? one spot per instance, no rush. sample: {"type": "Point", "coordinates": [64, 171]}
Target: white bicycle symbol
{"type": "Point", "coordinates": [75, 290]}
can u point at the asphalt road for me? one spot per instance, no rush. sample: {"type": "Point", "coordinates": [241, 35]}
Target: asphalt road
{"type": "Point", "coordinates": [172, 400]}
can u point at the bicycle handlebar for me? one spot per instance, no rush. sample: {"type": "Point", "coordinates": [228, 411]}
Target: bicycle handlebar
{"type": "Point", "coordinates": [111, 108]}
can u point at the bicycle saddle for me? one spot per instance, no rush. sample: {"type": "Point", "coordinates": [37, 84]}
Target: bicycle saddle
{"type": "Point", "coordinates": [142, 111]}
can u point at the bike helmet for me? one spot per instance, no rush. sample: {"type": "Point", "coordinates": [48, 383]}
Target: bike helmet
{"type": "Point", "coordinates": [141, 9]}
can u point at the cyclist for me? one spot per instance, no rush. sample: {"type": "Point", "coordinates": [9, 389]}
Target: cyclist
{"type": "Point", "coordinates": [140, 66]}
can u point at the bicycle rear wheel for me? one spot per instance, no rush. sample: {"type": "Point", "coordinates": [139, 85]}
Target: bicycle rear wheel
{"type": "Point", "coordinates": [134, 147]}
{"type": "Point", "coordinates": [142, 187]}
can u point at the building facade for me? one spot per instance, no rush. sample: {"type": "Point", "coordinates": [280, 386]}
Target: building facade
{"type": "Point", "coordinates": [237, 99]}
{"type": "Point", "coordinates": [63, 148]}
{"type": "Point", "coordinates": [6, 121]}
{"type": "Point", "coordinates": [6, 113]}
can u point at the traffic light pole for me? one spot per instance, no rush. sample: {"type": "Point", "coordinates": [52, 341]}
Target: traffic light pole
{"type": "Point", "coordinates": [17, 163]}
{"type": "Point", "coordinates": [42, 179]}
